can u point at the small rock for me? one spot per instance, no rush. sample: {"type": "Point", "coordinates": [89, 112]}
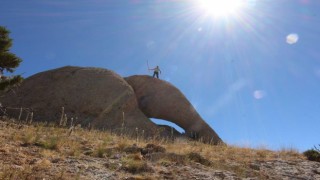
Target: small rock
{"type": "Point", "coordinates": [219, 174]}
{"type": "Point", "coordinates": [87, 148]}
{"type": "Point", "coordinates": [88, 153]}
{"type": "Point", "coordinates": [33, 161]}
{"type": "Point", "coordinates": [152, 148]}
{"type": "Point", "coordinates": [55, 160]}
{"type": "Point", "coordinates": [81, 166]}
{"type": "Point", "coordinates": [44, 162]}
{"type": "Point", "coordinates": [196, 157]}
{"type": "Point", "coordinates": [132, 149]}
{"type": "Point", "coordinates": [254, 166]}
{"type": "Point", "coordinates": [5, 151]}
{"type": "Point", "coordinates": [317, 171]}
{"type": "Point", "coordinates": [116, 156]}
{"type": "Point", "coordinates": [17, 167]}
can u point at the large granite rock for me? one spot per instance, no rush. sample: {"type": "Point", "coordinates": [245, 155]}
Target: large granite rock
{"type": "Point", "coordinates": [89, 95]}
{"type": "Point", "coordinates": [160, 99]}
{"type": "Point", "coordinates": [105, 100]}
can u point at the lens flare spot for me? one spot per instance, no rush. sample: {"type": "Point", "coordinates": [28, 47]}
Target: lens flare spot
{"type": "Point", "coordinates": [259, 94]}
{"type": "Point", "coordinates": [292, 38]}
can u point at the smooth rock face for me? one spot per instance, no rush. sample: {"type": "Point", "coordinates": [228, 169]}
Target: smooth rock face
{"type": "Point", "coordinates": [92, 95]}
{"type": "Point", "coordinates": [106, 101]}
{"type": "Point", "coordinates": [159, 99]}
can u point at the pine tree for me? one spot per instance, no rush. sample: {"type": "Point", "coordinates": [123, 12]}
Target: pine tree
{"type": "Point", "coordinates": [8, 61]}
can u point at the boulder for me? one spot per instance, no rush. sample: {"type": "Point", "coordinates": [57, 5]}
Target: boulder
{"type": "Point", "coordinates": [104, 100]}
{"type": "Point", "coordinates": [89, 95]}
{"type": "Point", "coordinates": [160, 99]}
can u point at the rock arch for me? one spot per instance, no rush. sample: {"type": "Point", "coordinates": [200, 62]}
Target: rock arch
{"type": "Point", "coordinates": [160, 99]}
{"type": "Point", "coordinates": [102, 98]}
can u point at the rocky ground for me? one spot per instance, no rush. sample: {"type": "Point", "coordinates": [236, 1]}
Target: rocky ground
{"type": "Point", "coordinates": [44, 152]}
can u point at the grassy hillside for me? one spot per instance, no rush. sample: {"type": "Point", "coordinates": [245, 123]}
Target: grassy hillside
{"type": "Point", "coordinates": [37, 151]}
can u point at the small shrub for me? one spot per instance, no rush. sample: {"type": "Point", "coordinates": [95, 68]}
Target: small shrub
{"type": "Point", "coordinates": [132, 149]}
{"type": "Point", "coordinates": [177, 158]}
{"type": "Point", "coordinates": [109, 152]}
{"type": "Point", "coordinates": [51, 143]}
{"type": "Point", "coordinates": [107, 140]}
{"type": "Point", "coordinates": [111, 165]}
{"type": "Point", "coordinates": [99, 152]}
{"type": "Point", "coordinates": [312, 155]}
{"type": "Point", "coordinates": [44, 164]}
{"type": "Point", "coordinates": [10, 173]}
{"type": "Point", "coordinates": [289, 152]}
{"type": "Point", "coordinates": [198, 158]}
{"type": "Point", "coordinates": [28, 139]}
{"type": "Point", "coordinates": [134, 165]}
{"type": "Point", "coordinates": [122, 145]}
{"type": "Point", "coordinates": [136, 156]}
{"type": "Point", "coordinates": [72, 147]}
{"type": "Point", "coordinates": [73, 152]}
{"type": "Point", "coordinates": [262, 154]}
{"type": "Point", "coordinates": [152, 148]}
{"type": "Point", "coordinates": [165, 162]}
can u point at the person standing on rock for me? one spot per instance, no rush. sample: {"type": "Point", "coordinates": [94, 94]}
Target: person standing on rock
{"type": "Point", "coordinates": [156, 71]}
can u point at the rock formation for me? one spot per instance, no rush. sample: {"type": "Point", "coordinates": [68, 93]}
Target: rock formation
{"type": "Point", "coordinates": [159, 99]}
{"type": "Point", "coordinates": [105, 100]}
{"type": "Point", "coordinates": [89, 95]}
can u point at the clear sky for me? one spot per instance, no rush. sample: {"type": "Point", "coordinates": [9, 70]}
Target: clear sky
{"type": "Point", "coordinates": [251, 67]}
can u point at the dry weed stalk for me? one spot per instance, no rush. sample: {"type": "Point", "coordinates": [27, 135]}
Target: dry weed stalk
{"type": "Point", "coordinates": [62, 116]}
{"type": "Point", "coordinates": [27, 117]}
{"type": "Point", "coordinates": [71, 122]}
{"type": "Point", "coordinates": [31, 118]}
{"type": "Point", "coordinates": [65, 120]}
{"type": "Point", "coordinates": [20, 114]}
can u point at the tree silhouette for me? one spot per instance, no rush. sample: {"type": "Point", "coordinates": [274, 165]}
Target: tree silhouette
{"type": "Point", "coordinates": [8, 61]}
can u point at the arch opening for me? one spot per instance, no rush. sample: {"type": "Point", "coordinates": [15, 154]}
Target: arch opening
{"type": "Point", "coordinates": [161, 122]}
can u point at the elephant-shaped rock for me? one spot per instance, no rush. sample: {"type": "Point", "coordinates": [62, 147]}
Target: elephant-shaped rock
{"type": "Point", "coordinates": [104, 100]}
{"type": "Point", "coordinates": [93, 97]}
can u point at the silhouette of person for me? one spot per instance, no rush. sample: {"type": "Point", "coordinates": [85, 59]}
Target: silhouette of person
{"type": "Point", "coordinates": [156, 71]}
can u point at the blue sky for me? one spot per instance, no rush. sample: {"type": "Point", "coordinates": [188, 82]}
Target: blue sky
{"type": "Point", "coordinates": [253, 75]}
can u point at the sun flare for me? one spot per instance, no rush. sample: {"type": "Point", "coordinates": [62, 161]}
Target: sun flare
{"type": "Point", "coordinates": [221, 7]}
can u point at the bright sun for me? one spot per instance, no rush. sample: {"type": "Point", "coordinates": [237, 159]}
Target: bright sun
{"type": "Point", "coordinates": [221, 7]}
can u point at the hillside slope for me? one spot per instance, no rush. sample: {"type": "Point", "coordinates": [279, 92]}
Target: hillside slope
{"type": "Point", "coordinates": [39, 151]}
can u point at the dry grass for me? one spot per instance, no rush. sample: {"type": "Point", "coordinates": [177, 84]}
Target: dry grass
{"type": "Point", "coordinates": [55, 142]}
{"type": "Point", "coordinates": [134, 164]}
